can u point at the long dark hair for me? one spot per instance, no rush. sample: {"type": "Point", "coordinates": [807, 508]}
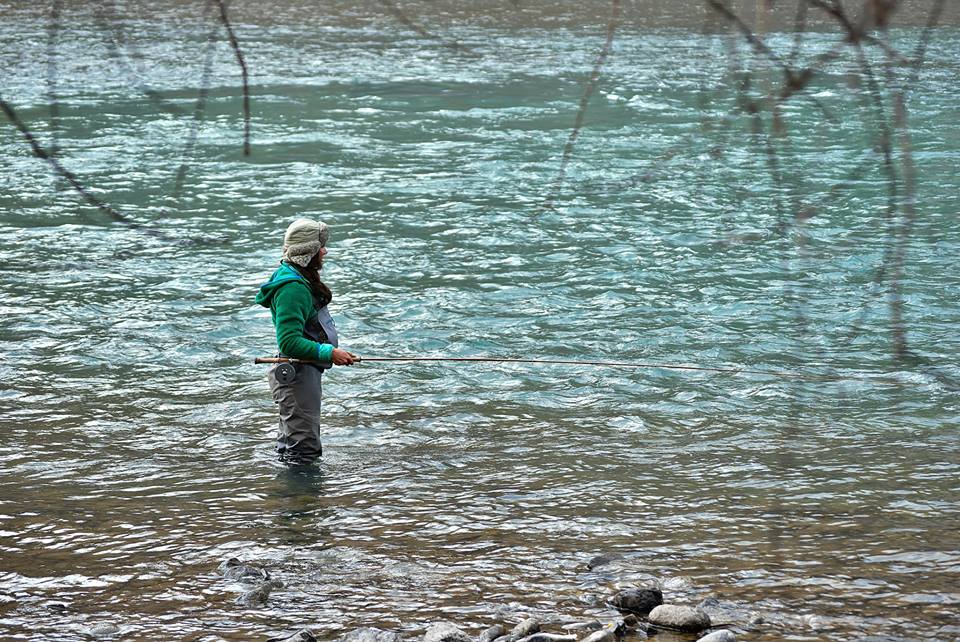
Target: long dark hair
{"type": "Point", "coordinates": [311, 272]}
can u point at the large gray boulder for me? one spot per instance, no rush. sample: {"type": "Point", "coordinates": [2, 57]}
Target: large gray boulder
{"type": "Point", "coordinates": [637, 601]}
{"type": "Point", "coordinates": [681, 618]}
{"type": "Point", "coordinates": [445, 632]}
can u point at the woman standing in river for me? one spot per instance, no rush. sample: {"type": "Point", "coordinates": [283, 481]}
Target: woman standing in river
{"type": "Point", "coordinates": [298, 301]}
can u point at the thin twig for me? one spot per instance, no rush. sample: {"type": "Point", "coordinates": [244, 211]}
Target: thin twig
{"type": "Point", "coordinates": [588, 90]}
{"type": "Point", "coordinates": [243, 72]}
{"type": "Point", "coordinates": [42, 153]}
{"type": "Point", "coordinates": [789, 75]}
{"type": "Point", "coordinates": [198, 110]}
{"type": "Point", "coordinates": [74, 181]}
{"type": "Point", "coordinates": [107, 17]}
{"type": "Point", "coordinates": [406, 21]}
{"type": "Point", "coordinates": [53, 37]}
{"type": "Point", "coordinates": [921, 51]}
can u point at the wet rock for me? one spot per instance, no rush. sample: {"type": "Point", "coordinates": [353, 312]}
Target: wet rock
{"type": "Point", "coordinates": [594, 625]}
{"type": "Point", "coordinates": [259, 595]}
{"type": "Point", "coordinates": [235, 570]}
{"type": "Point", "coordinates": [492, 633]}
{"type": "Point", "coordinates": [605, 558]}
{"type": "Point", "coordinates": [370, 634]}
{"type": "Point", "coordinates": [631, 621]}
{"type": "Point", "coordinates": [709, 603]}
{"type": "Point", "coordinates": [613, 631]}
{"type": "Point", "coordinates": [719, 636]}
{"type": "Point", "coordinates": [681, 618]}
{"type": "Point", "coordinates": [637, 601]}
{"type": "Point", "coordinates": [549, 637]}
{"type": "Point", "coordinates": [606, 634]}
{"type": "Point", "coordinates": [811, 621]}
{"type": "Point", "coordinates": [303, 635]}
{"type": "Point", "coordinates": [730, 613]}
{"type": "Point", "coordinates": [103, 630]}
{"type": "Point", "coordinates": [527, 627]}
{"type": "Point", "coordinates": [671, 584]}
{"type": "Point", "coordinates": [445, 632]}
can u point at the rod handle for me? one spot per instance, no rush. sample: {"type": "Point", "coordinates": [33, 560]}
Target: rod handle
{"type": "Point", "coordinates": [260, 360]}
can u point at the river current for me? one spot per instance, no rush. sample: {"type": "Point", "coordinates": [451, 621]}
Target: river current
{"type": "Point", "coordinates": [135, 429]}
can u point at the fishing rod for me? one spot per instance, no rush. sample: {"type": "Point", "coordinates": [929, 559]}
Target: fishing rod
{"type": "Point", "coordinates": [609, 364]}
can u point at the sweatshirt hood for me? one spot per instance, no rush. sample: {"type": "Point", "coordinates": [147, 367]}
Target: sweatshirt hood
{"type": "Point", "coordinates": [284, 274]}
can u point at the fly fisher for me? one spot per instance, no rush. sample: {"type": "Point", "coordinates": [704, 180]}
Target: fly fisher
{"type": "Point", "coordinates": [306, 334]}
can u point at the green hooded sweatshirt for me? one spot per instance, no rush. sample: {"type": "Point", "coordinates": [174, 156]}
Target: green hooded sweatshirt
{"type": "Point", "coordinates": [290, 300]}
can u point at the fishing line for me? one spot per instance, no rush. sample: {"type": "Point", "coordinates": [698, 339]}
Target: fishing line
{"type": "Point", "coordinates": [784, 374]}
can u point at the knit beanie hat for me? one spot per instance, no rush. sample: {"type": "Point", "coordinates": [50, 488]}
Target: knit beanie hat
{"type": "Point", "coordinates": [303, 239]}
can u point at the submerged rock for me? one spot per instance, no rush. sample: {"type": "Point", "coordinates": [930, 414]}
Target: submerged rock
{"type": "Point", "coordinates": [103, 630]}
{"type": "Point", "coordinates": [370, 634]}
{"type": "Point", "coordinates": [492, 633]}
{"type": "Point", "coordinates": [730, 613]}
{"type": "Point", "coordinates": [722, 635]}
{"type": "Point", "coordinates": [445, 632]}
{"type": "Point", "coordinates": [631, 622]}
{"type": "Point", "coordinates": [605, 558]}
{"type": "Point", "coordinates": [303, 635]}
{"type": "Point", "coordinates": [681, 618]}
{"type": "Point", "coordinates": [637, 601]}
{"type": "Point", "coordinates": [237, 571]}
{"type": "Point", "coordinates": [259, 595]}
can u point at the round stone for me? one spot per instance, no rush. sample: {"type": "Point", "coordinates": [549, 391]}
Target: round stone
{"type": "Point", "coordinates": [681, 618]}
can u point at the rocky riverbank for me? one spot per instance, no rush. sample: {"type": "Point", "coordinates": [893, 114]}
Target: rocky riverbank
{"type": "Point", "coordinates": [637, 613]}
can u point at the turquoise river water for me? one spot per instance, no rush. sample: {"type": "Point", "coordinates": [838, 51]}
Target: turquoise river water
{"type": "Point", "coordinates": [135, 429]}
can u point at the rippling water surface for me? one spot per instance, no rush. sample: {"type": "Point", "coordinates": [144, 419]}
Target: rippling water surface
{"type": "Point", "coordinates": [136, 430]}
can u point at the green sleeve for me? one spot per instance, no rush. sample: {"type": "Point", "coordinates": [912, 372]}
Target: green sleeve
{"type": "Point", "coordinates": [292, 307]}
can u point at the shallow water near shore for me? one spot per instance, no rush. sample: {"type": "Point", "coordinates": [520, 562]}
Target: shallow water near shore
{"type": "Point", "coordinates": [135, 449]}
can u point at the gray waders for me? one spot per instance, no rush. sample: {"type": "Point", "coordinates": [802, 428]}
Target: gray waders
{"type": "Point", "coordinates": [298, 436]}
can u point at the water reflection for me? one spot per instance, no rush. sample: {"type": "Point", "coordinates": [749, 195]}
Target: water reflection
{"type": "Point", "coordinates": [299, 505]}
